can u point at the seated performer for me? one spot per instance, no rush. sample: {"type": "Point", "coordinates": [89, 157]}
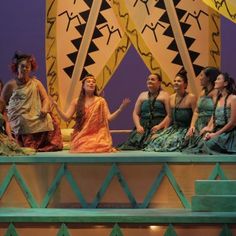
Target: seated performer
{"type": "Point", "coordinates": [28, 108]}
{"type": "Point", "coordinates": [8, 146]}
{"type": "Point", "coordinates": [150, 115]}
{"type": "Point", "coordinates": [219, 136]}
{"type": "Point", "coordinates": [205, 107]}
{"type": "Point", "coordinates": [182, 106]}
{"type": "Point", "coordinates": [91, 131]}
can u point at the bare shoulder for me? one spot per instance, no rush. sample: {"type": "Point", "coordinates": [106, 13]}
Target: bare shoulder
{"type": "Point", "coordinates": [192, 96]}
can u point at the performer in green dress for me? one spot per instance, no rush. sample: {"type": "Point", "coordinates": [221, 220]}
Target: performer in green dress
{"type": "Point", "coordinates": [219, 136]}
{"type": "Point", "coordinates": [204, 109]}
{"type": "Point", "coordinates": [151, 114]}
{"type": "Point", "coordinates": [182, 106]}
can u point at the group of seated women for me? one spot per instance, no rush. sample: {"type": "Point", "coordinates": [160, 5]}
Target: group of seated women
{"type": "Point", "coordinates": [163, 122]}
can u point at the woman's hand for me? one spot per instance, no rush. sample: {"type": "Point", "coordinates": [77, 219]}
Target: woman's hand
{"type": "Point", "coordinates": [205, 130]}
{"type": "Point", "coordinates": [209, 136]}
{"type": "Point", "coordinates": [190, 132]}
{"type": "Point", "coordinates": [140, 129]}
{"type": "Point", "coordinates": [155, 129]}
{"type": "Point", "coordinates": [124, 104]}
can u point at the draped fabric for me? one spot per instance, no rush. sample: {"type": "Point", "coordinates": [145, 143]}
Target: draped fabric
{"type": "Point", "coordinates": [94, 135]}
{"type": "Point", "coordinates": [24, 110]}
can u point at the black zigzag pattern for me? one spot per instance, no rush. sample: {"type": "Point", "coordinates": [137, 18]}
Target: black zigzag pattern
{"type": "Point", "coordinates": [188, 40]}
{"type": "Point", "coordinates": [169, 32]}
{"type": "Point", "coordinates": [77, 42]}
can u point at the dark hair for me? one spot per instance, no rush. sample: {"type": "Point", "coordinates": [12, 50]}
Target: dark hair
{"type": "Point", "coordinates": [80, 111]}
{"type": "Point", "coordinates": [158, 76]}
{"type": "Point", "coordinates": [212, 73]}
{"type": "Point", "coordinates": [183, 74]}
{"type": "Point", "coordinates": [1, 85]}
{"type": "Point", "coordinates": [18, 57]}
{"type": "Point", "coordinates": [231, 87]}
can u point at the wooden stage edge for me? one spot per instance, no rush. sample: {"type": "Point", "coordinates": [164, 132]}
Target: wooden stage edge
{"type": "Point", "coordinates": [141, 216]}
{"type": "Point", "coordinates": [119, 157]}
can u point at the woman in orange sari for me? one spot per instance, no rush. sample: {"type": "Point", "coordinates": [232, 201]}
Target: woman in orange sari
{"type": "Point", "coordinates": [91, 131]}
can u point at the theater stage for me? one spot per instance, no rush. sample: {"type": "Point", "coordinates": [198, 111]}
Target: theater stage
{"type": "Point", "coordinates": [123, 193]}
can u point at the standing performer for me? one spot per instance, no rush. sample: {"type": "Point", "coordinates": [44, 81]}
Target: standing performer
{"type": "Point", "coordinates": [150, 115]}
{"type": "Point", "coordinates": [28, 108]}
{"type": "Point", "coordinates": [91, 131]}
{"type": "Point", "coordinates": [182, 106]}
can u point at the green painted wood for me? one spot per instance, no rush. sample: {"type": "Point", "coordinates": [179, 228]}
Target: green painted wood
{"type": "Point", "coordinates": [53, 186]}
{"type": "Point", "coordinates": [11, 231]}
{"type": "Point", "coordinates": [63, 231]}
{"type": "Point", "coordinates": [153, 189]}
{"type": "Point", "coordinates": [170, 231]}
{"type": "Point", "coordinates": [114, 171]}
{"type": "Point", "coordinates": [215, 187]}
{"type": "Point", "coordinates": [211, 203]}
{"type": "Point", "coordinates": [119, 157]}
{"type": "Point", "coordinates": [7, 180]}
{"type": "Point", "coordinates": [226, 231]}
{"type": "Point", "coordinates": [176, 187]}
{"type": "Point", "coordinates": [13, 172]}
{"type": "Point", "coordinates": [76, 189]}
{"type": "Point", "coordinates": [116, 231]}
{"type": "Point", "coordinates": [129, 216]}
{"type": "Point", "coordinates": [217, 172]}
{"type": "Point", "coordinates": [28, 195]}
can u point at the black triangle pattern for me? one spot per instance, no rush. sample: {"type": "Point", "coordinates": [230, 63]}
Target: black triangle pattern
{"type": "Point", "coordinates": [89, 61]}
{"type": "Point", "coordinates": [189, 41]}
{"type": "Point", "coordinates": [176, 2]}
{"type": "Point", "coordinates": [92, 47]}
{"type": "Point", "coordinates": [184, 27]}
{"type": "Point", "coordinates": [193, 55]}
{"type": "Point", "coordinates": [89, 3]}
{"type": "Point", "coordinates": [76, 42]}
{"type": "Point", "coordinates": [197, 69]}
{"type": "Point", "coordinates": [73, 56]}
{"type": "Point", "coordinates": [105, 6]}
{"type": "Point", "coordinates": [173, 46]}
{"type": "Point", "coordinates": [177, 60]}
{"type": "Point", "coordinates": [164, 18]}
{"type": "Point", "coordinates": [96, 34]}
{"type": "Point", "coordinates": [81, 28]}
{"type": "Point", "coordinates": [85, 15]}
{"type": "Point", "coordinates": [84, 73]}
{"type": "Point", "coordinates": [69, 70]}
{"type": "Point", "coordinates": [160, 4]}
{"type": "Point", "coordinates": [169, 32]}
{"type": "Point", "coordinates": [101, 19]}
{"type": "Point", "coordinates": [180, 13]}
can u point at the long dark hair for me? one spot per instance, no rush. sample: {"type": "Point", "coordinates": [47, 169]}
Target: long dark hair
{"type": "Point", "coordinates": [80, 108]}
{"type": "Point", "coordinates": [211, 73]}
{"type": "Point", "coordinates": [231, 89]}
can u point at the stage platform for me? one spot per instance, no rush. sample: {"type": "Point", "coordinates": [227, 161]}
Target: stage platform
{"type": "Point", "coordinates": [123, 193]}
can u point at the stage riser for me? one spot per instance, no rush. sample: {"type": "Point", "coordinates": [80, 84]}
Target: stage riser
{"type": "Point", "coordinates": [123, 230]}
{"type": "Point", "coordinates": [101, 186]}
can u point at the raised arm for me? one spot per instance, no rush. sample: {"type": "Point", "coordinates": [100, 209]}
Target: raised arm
{"type": "Point", "coordinates": [123, 105]}
{"type": "Point", "coordinates": [66, 116]}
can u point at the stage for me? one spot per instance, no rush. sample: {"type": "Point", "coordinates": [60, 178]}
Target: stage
{"type": "Point", "coordinates": [117, 192]}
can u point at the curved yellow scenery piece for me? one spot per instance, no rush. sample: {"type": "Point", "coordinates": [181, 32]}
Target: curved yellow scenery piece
{"type": "Point", "coordinates": [226, 8]}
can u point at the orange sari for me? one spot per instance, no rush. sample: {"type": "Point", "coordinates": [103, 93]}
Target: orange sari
{"type": "Point", "coordinates": [95, 135]}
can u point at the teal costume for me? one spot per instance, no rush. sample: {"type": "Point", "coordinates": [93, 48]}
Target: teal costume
{"type": "Point", "coordinates": [153, 112]}
{"type": "Point", "coordinates": [171, 139]}
{"type": "Point", "coordinates": [223, 143]}
{"type": "Point", "coordinates": [205, 110]}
